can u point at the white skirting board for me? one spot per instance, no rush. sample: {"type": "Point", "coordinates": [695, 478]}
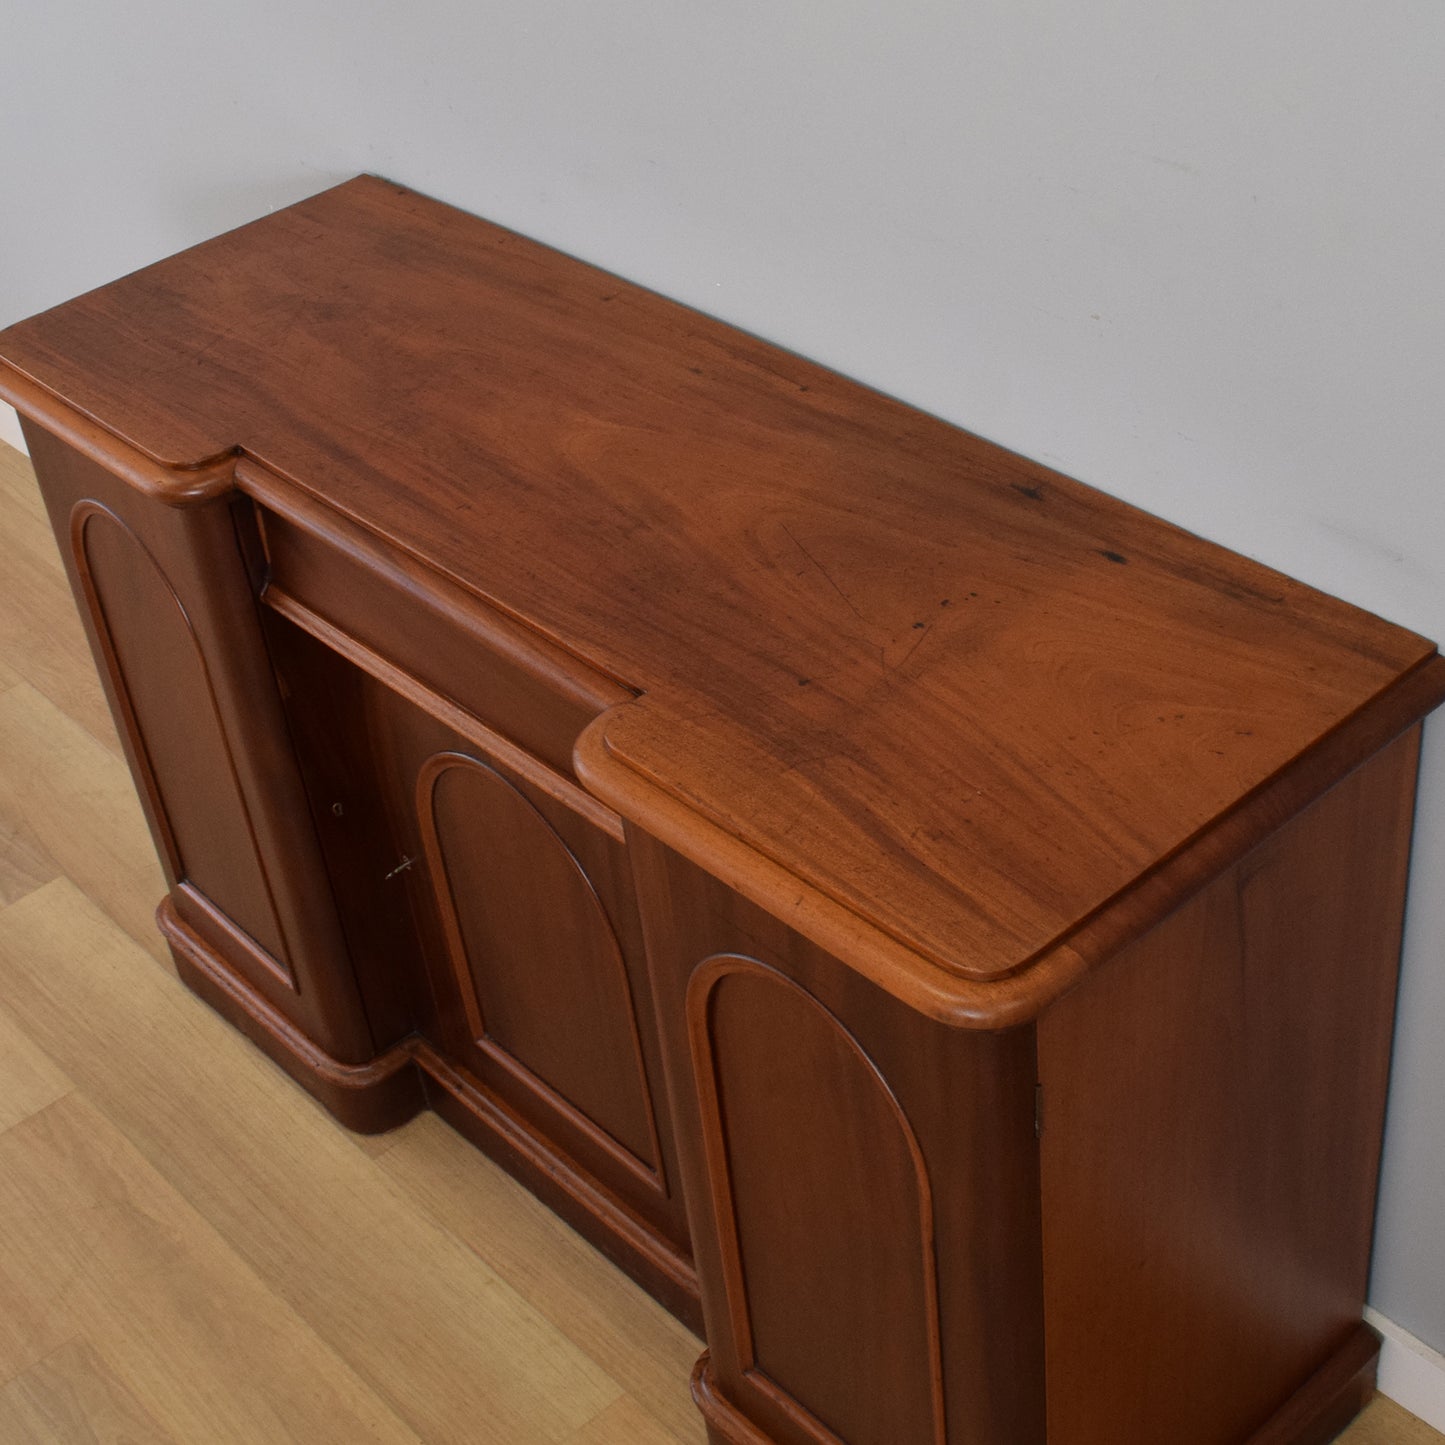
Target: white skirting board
{"type": "Point", "coordinates": [1411, 1373]}
{"type": "Point", "coordinates": [10, 429]}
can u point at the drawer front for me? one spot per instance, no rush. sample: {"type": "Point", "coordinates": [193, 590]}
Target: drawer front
{"type": "Point", "coordinates": [492, 668]}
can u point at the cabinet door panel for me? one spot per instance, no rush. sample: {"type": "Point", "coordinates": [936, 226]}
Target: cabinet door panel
{"type": "Point", "coordinates": [824, 1210]}
{"type": "Point", "coordinates": [862, 1181]}
{"type": "Point", "coordinates": [489, 915]}
{"type": "Point", "coordinates": [166, 596]}
{"type": "Point", "coordinates": [165, 688]}
{"type": "Point", "coordinates": [540, 968]}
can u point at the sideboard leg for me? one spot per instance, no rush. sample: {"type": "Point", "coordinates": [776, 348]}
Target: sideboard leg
{"type": "Point", "coordinates": [1326, 1403]}
{"type": "Point", "coordinates": [726, 1425]}
{"type": "Point", "coordinates": [369, 1098]}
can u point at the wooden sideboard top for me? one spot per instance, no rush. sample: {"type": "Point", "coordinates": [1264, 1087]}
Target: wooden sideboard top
{"type": "Point", "coordinates": [962, 719]}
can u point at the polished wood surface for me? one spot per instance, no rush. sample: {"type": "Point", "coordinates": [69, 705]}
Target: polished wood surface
{"type": "Point", "coordinates": [513, 916]}
{"type": "Point", "coordinates": [200, 718]}
{"type": "Point", "coordinates": [933, 926]}
{"type": "Point", "coordinates": [201, 1133]}
{"type": "Point", "coordinates": [289, 896]}
{"type": "Point", "coordinates": [1207, 1120]}
{"type": "Point", "coordinates": [500, 673]}
{"type": "Point", "coordinates": [826, 1247]}
{"type": "Point", "coordinates": [494, 921]}
{"type": "Point", "coordinates": [786, 1093]}
{"type": "Point", "coordinates": [966, 699]}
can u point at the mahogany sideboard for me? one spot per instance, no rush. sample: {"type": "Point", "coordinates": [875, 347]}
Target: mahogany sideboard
{"type": "Point", "coordinates": [934, 925]}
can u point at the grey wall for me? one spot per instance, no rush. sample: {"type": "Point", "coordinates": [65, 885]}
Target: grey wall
{"type": "Point", "coordinates": [1190, 253]}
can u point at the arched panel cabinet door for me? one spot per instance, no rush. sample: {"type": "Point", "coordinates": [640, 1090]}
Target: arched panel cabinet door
{"type": "Point", "coordinates": [168, 705]}
{"type": "Point", "coordinates": [166, 597]}
{"type": "Point", "coordinates": [544, 985]}
{"type": "Point", "coordinates": [824, 1214]}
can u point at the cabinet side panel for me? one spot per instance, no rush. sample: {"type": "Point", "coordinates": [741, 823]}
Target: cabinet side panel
{"type": "Point", "coordinates": [1212, 1111]}
{"type": "Point", "coordinates": [324, 698]}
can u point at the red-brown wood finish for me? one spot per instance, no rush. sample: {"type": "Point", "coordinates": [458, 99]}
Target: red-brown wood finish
{"type": "Point", "coordinates": [811, 583]}
{"type": "Point", "coordinates": [511, 918]}
{"type": "Point", "coordinates": [825, 1209]}
{"type": "Point", "coordinates": [933, 924]}
{"type": "Point", "coordinates": [167, 602]}
{"type": "Point", "coordinates": [827, 1129]}
{"type": "Point", "coordinates": [1210, 1110]}
{"type": "Point", "coordinates": [535, 956]}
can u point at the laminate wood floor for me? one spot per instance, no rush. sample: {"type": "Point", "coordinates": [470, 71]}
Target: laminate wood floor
{"type": "Point", "coordinates": [191, 1251]}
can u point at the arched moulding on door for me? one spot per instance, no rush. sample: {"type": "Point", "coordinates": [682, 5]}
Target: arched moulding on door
{"type": "Point", "coordinates": [823, 1210]}
{"type": "Point", "coordinates": [536, 959]}
{"type": "Point", "coordinates": [170, 713]}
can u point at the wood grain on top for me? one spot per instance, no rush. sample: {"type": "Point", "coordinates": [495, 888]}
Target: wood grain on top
{"type": "Point", "coordinates": [963, 697]}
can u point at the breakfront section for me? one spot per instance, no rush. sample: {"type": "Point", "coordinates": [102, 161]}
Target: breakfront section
{"type": "Point", "coordinates": [165, 588]}
{"type": "Point", "coordinates": [486, 898]}
{"type": "Point", "coordinates": [381, 868]}
{"type": "Point", "coordinates": [863, 1183]}
{"type": "Point", "coordinates": [916, 1230]}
